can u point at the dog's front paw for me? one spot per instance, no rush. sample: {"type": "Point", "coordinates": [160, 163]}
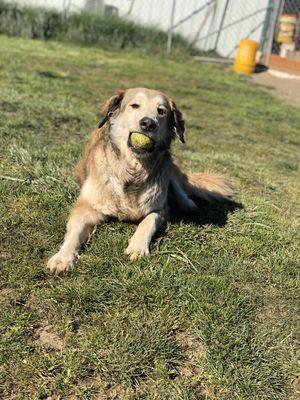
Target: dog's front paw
{"type": "Point", "coordinates": [60, 263]}
{"type": "Point", "coordinates": [136, 250]}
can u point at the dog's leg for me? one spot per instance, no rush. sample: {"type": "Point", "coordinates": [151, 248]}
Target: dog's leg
{"type": "Point", "coordinates": [140, 241]}
{"type": "Point", "coordinates": [183, 201]}
{"type": "Point", "coordinates": [206, 186]}
{"type": "Point", "coordinates": [209, 186]}
{"type": "Point", "coordinates": [81, 224]}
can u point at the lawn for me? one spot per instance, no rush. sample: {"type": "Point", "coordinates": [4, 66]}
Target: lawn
{"type": "Point", "coordinates": [213, 312]}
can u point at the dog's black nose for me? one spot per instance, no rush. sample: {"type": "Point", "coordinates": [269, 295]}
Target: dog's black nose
{"type": "Point", "coordinates": [148, 124]}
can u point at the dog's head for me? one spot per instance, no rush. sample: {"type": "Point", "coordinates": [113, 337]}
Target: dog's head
{"type": "Point", "coordinates": [146, 111]}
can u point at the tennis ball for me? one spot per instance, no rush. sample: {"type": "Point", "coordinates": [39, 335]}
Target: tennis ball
{"type": "Point", "coordinates": [140, 141]}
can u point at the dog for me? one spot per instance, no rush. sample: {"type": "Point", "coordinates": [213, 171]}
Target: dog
{"type": "Point", "coordinates": [129, 183]}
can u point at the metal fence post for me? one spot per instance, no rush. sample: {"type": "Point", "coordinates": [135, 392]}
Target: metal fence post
{"type": "Point", "coordinates": [264, 34]}
{"type": "Point", "coordinates": [275, 10]}
{"type": "Point", "coordinates": [221, 24]}
{"type": "Point", "coordinates": [170, 31]}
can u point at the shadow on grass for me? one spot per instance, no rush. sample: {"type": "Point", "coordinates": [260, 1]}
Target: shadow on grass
{"type": "Point", "coordinates": [208, 213]}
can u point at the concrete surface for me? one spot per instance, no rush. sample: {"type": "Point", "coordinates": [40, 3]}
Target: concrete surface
{"type": "Point", "coordinates": [286, 87]}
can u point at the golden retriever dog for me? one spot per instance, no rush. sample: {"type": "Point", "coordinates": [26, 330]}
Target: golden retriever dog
{"type": "Point", "coordinates": [132, 183]}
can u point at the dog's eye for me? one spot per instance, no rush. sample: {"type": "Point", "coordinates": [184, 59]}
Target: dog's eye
{"type": "Point", "coordinates": [134, 105]}
{"type": "Point", "coordinates": [161, 111]}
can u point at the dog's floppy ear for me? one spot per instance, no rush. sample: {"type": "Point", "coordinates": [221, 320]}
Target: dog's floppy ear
{"type": "Point", "coordinates": [110, 106]}
{"type": "Point", "coordinates": [177, 121]}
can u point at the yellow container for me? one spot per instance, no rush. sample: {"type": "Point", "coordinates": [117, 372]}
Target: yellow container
{"type": "Point", "coordinates": [245, 58]}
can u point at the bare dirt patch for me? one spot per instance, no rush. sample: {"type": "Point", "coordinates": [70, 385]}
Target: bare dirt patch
{"type": "Point", "coordinates": [192, 350]}
{"type": "Point", "coordinates": [191, 370]}
{"type": "Point", "coordinates": [101, 390]}
{"type": "Point", "coordinates": [296, 387]}
{"type": "Point", "coordinates": [47, 338]}
{"type": "Point", "coordinates": [283, 88]}
{"type": "Point", "coordinates": [5, 294]}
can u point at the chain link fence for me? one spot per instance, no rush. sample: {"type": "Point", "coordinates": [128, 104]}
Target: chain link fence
{"type": "Point", "coordinates": [213, 26]}
{"type": "Point", "coordinates": [287, 32]}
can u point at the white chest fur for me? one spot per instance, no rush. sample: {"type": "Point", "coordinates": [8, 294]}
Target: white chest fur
{"type": "Point", "coordinates": [130, 197]}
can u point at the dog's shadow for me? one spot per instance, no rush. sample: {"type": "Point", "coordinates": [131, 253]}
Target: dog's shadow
{"type": "Point", "coordinates": [208, 213]}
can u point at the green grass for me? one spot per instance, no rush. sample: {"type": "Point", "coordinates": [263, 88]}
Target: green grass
{"type": "Point", "coordinates": [212, 313]}
{"type": "Point", "coordinates": [105, 31]}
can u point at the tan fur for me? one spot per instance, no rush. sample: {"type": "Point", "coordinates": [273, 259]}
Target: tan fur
{"type": "Point", "coordinates": [208, 186]}
{"type": "Point", "coordinates": [116, 181]}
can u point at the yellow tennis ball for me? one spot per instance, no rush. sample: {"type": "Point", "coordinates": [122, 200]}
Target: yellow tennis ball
{"type": "Point", "coordinates": [140, 141]}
